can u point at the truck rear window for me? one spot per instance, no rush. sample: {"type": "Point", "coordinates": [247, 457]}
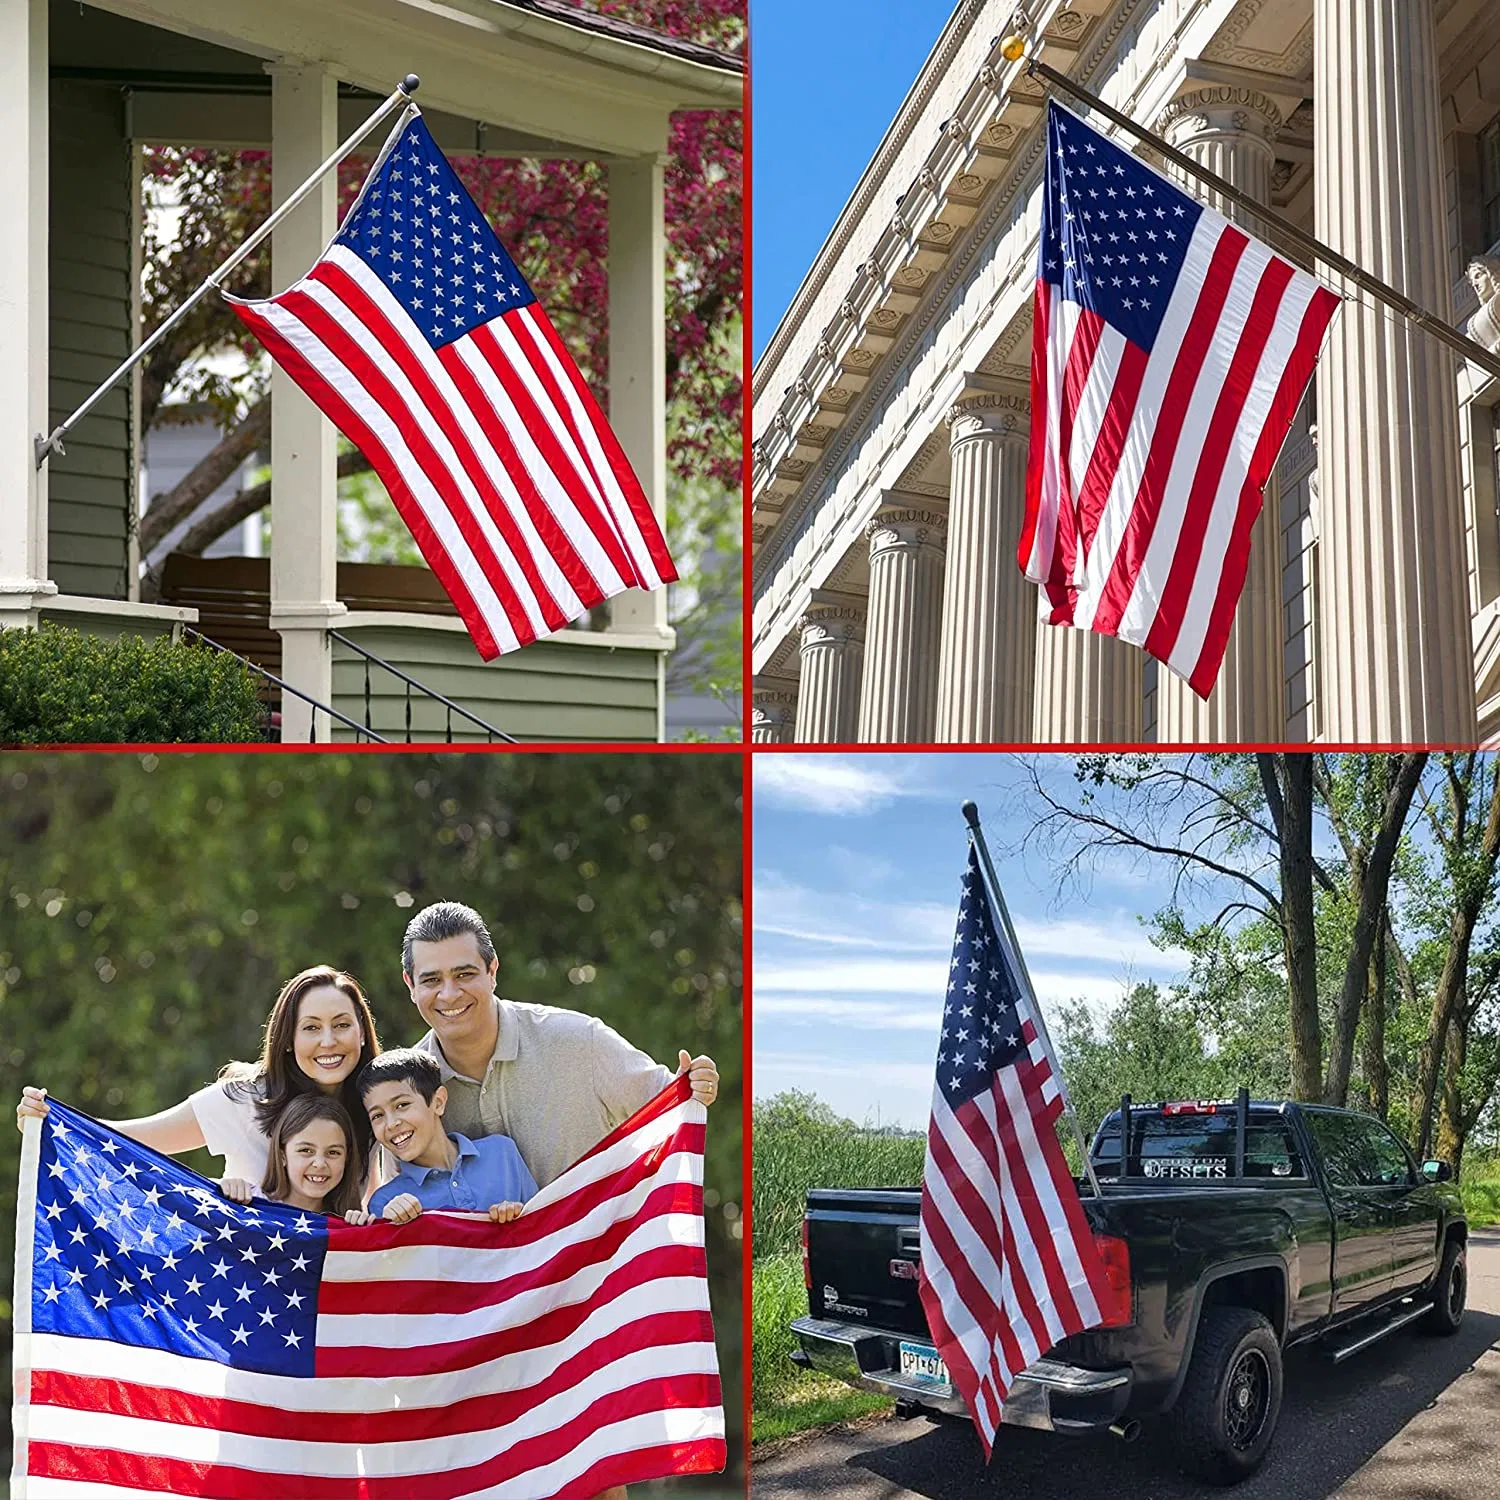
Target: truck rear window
{"type": "Point", "coordinates": [1197, 1148]}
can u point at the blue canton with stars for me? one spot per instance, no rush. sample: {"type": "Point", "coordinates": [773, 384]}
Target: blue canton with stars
{"type": "Point", "coordinates": [418, 229]}
{"type": "Point", "coordinates": [981, 1025]}
{"type": "Point", "coordinates": [1114, 232]}
{"type": "Point", "coordinates": [132, 1247]}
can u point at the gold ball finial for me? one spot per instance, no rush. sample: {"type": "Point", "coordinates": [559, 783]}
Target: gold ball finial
{"type": "Point", "coordinates": [1013, 47]}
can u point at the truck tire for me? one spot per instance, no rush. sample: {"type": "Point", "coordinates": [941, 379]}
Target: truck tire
{"type": "Point", "coordinates": [1225, 1417]}
{"type": "Point", "coordinates": [1449, 1291]}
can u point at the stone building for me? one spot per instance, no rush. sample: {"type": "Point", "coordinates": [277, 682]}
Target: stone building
{"type": "Point", "coordinates": [891, 408]}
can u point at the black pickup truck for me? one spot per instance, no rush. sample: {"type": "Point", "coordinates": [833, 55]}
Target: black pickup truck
{"type": "Point", "coordinates": [1246, 1228]}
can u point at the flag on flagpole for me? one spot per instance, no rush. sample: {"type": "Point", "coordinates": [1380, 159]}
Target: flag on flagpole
{"type": "Point", "coordinates": [1008, 1262]}
{"type": "Point", "coordinates": [418, 337]}
{"type": "Point", "coordinates": [1169, 353]}
{"type": "Point", "coordinates": [170, 1342]}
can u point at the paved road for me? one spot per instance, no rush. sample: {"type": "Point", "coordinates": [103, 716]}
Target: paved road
{"type": "Point", "coordinates": [1413, 1418]}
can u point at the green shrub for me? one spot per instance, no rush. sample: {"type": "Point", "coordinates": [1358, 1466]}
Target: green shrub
{"type": "Point", "coordinates": [64, 687]}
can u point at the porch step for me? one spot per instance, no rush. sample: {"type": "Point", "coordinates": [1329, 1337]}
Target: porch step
{"type": "Point", "coordinates": [1370, 1331]}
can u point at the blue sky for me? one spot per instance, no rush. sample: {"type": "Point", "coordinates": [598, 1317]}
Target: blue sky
{"type": "Point", "coordinates": [827, 77]}
{"type": "Point", "coordinates": [857, 861]}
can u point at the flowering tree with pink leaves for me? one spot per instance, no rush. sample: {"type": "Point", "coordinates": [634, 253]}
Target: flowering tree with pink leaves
{"type": "Point", "coordinates": [553, 218]}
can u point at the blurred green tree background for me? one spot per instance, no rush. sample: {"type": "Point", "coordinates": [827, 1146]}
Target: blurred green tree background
{"type": "Point", "coordinates": [152, 905]}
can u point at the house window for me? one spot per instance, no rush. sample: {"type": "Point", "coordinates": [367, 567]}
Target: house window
{"type": "Point", "coordinates": [1489, 183]}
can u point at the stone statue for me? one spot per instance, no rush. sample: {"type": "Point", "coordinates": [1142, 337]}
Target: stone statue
{"type": "Point", "coordinates": [1484, 276]}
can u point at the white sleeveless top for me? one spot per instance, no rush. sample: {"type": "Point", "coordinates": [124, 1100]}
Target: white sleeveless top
{"type": "Point", "coordinates": [227, 1120]}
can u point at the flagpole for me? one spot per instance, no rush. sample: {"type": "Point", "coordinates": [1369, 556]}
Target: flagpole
{"type": "Point", "coordinates": [971, 817]}
{"type": "Point", "coordinates": [52, 443]}
{"type": "Point", "coordinates": [21, 1294]}
{"type": "Point", "coordinates": [1415, 312]}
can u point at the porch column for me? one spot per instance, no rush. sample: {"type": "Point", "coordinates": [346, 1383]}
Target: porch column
{"type": "Point", "coordinates": [304, 485]}
{"type": "Point", "coordinates": [1229, 130]}
{"type": "Point", "coordinates": [773, 718]}
{"type": "Point", "coordinates": [638, 365]}
{"type": "Point", "coordinates": [898, 701]}
{"type": "Point", "coordinates": [832, 647]}
{"type": "Point", "coordinates": [988, 631]}
{"type": "Point", "coordinates": [1395, 637]}
{"type": "Point", "coordinates": [23, 308]}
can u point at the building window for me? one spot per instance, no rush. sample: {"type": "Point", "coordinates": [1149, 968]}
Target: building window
{"type": "Point", "coordinates": [1489, 183]}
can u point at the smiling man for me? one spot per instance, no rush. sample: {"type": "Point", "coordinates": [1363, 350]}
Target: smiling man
{"type": "Point", "coordinates": [556, 1081]}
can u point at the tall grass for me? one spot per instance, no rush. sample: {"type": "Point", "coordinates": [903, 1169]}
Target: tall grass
{"type": "Point", "coordinates": [1480, 1186]}
{"type": "Point", "coordinates": [797, 1143]}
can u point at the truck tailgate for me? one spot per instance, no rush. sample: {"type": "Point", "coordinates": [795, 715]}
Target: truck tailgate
{"type": "Point", "coordinates": [863, 1254]}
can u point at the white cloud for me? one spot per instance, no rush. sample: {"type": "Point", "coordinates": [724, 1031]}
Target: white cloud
{"type": "Point", "coordinates": [836, 785]}
{"type": "Point", "coordinates": [882, 1015]}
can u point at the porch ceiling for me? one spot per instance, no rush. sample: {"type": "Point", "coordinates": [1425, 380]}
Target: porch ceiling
{"type": "Point", "coordinates": [541, 81]}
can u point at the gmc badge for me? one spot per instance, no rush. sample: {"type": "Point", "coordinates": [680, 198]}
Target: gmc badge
{"type": "Point", "coordinates": [904, 1270]}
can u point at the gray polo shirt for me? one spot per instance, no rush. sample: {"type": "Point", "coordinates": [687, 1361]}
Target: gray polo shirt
{"type": "Point", "coordinates": [558, 1082]}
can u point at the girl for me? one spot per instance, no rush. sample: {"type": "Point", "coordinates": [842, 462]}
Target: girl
{"type": "Point", "coordinates": [319, 1034]}
{"type": "Point", "coordinates": [310, 1161]}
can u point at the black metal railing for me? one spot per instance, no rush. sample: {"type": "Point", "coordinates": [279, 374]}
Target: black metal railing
{"type": "Point", "coordinates": [286, 687]}
{"type": "Point", "coordinates": [491, 733]}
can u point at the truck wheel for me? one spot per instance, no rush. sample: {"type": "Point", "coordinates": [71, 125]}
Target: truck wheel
{"type": "Point", "coordinates": [1226, 1415]}
{"type": "Point", "coordinates": [1449, 1292]}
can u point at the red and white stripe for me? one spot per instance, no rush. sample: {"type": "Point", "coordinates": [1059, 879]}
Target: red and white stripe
{"type": "Point", "coordinates": [1146, 471]}
{"type": "Point", "coordinates": [492, 448]}
{"type": "Point", "coordinates": [563, 1353]}
{"type": "Point", "coordinates": [1008, 1260]}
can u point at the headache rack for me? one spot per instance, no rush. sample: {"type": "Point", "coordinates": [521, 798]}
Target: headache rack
{"type": "Point", "coordinates": [1240, 1104]}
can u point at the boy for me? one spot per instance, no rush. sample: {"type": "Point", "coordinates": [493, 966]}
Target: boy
{"type": "Point", "coordinates": [403, 1094]}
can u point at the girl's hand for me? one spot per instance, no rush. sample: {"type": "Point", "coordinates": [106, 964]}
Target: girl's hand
{"type": "Point", "coordinates": [503, 1213]}
{"type": "Point", "coordinates": [236, 1189]}
{"type": "Point", "coordinates": [703, 1075]}
{"type": "Point", "coordinates": [33, 1103]}
{"type": "Point", "coordinates": [403, 1209]}
{"type": "Point", "coordinates": [358, 1216]}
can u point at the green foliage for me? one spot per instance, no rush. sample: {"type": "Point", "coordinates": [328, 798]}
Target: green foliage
{"type": "Point", "coordinates": [150, 907]}
{"type": "Point", "coordinates": [64, 687]}
{"type": "Point", "coordinates": [1480, 1185]}
{"type": "Point", "coordinates": [797, 1142]}
{"type": "Point", "coordinates": [783, 1399]}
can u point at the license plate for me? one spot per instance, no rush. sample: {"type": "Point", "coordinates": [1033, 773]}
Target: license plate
{"type": "Point", "coordinates": [919, 1362]}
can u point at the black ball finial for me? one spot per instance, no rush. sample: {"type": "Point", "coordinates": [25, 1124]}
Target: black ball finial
{"type": "Point", "coordinates": [410, 84]}
{"type": "Point", "coordinates": [971, 814]}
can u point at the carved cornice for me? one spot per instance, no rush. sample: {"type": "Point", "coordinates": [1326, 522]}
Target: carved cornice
{"type": "Point", "coordinates": [826, 626]}
{"type": "Point", "coordinates": [1221, 107]}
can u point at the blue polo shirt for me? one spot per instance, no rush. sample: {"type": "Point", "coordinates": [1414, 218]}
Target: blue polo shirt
{"type": "Point", "coordinates": [488, 1171]}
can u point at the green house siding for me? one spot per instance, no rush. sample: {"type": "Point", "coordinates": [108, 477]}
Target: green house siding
{"type": "Point", "coordinates": [89, 487]}
{"type": "Point", "coordinates": [548, 691]}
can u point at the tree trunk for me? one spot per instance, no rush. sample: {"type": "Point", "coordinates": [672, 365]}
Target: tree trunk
{"type": "Point", "coordinates": [1450, 1131]}
{"type": "Point", "coordinates": [1367, 921]}
{"type": "Point", "coordinates": [1372, 1048]}
{"type": "Point", "coordinates": [1288, 784]}
{"type": "Point", "coordinates": [1472, 882]}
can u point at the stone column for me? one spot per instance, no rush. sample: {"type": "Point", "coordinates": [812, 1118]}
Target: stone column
{"type": "Point", "coordinates": [304, 492]}
{"type": "Point", "coordinates": [832, 650]}
{"type": "Point", "coordinates": [1088, 688]}
{"type": "Point", "coordinates": [1229, 130]}
{"type": "Point", "coordinates": [988, 634]}
{"type": "Point", "coordinates": [1396, 662]}
{"type": "Point", "coordinates": [23, 311]}
{"type": "Point", "coordinates": [898, 700]}
{"type": "Point", "coordinates": [773, 715]}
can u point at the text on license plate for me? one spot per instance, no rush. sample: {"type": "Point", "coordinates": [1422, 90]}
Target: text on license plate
{"type": "Point", "coordinates": [923, 1363]}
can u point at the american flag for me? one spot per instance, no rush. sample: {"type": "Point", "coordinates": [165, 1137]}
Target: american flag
{"type": "Point", "coordinates": [1169, 353]}
{"type": "Point", "coordinates": [1008, 1266]}
{"type": "Point", "coordinates": [418, 337]}
{"type": "Point", "coordinates": [170, 1342]}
